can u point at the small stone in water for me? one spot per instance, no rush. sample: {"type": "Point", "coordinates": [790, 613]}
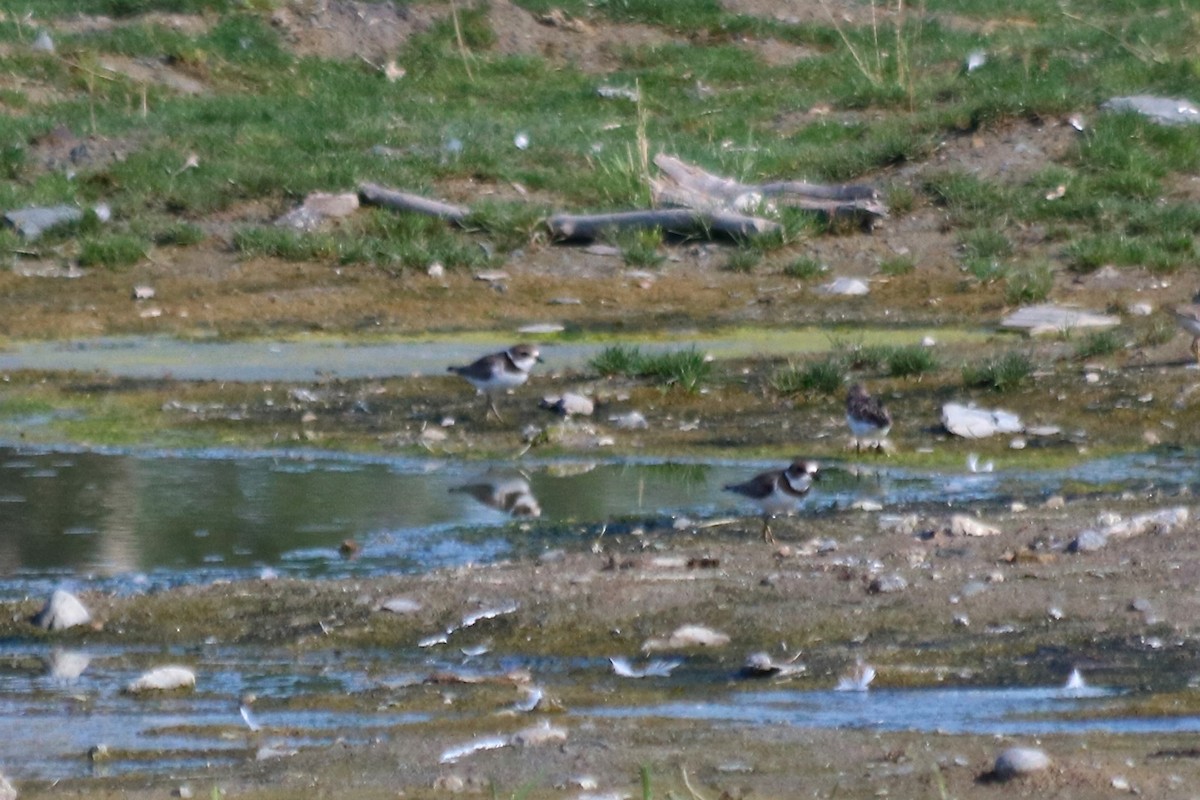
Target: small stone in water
{"type": "Point", "coordinates": [163, 679]}
{"type": "Point", "coordinates": [63, 610]}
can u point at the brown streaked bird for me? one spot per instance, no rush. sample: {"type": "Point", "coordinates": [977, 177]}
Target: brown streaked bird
{"type": "Point", "coordinates": [1188, 318]}
{"type": "Point", "coordinates": [778, 491]}
{"type": "Point", "coordinates": [866, 416]}
{"type": "Point", "coordinates": [500, 371]}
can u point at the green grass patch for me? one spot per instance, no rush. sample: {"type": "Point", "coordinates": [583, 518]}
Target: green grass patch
{"type": "Point", "coordinates": [804, 268]}
{"type": "Point", "coordinates": [684, 369]}
{"type": "Point", "coordinates": [742, 261]}
{"type": "Point", "coordinates": [821, 377]}
{"type": "Point", "coordinates": [911, 361]}
{"type": "Point", "coordinates": [112, 251]}
{"type": "Point", "coordinates": [1028, 284]}
{"type": "Point", "coordinates": [1098, 344]}
{"type": "Point", "coordinates": [1002, 373]}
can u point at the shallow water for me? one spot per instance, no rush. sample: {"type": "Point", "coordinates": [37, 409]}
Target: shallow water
{"type": "Point", "coordinates": [133, 521]}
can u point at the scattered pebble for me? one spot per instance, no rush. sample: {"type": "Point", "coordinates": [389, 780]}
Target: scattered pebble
{"type": "Point", "coordinates": [569, 404]}
{"type": "Point", "coordinates": [630, 421]}
{"type": "Point", "coordinates": [898, 524]}
{"type": "Point", "coordinates": [887, 584]}
{"type": "Point", "coordinates": [272, 752]}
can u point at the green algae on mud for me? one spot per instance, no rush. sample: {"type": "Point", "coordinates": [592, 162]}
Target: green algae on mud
{"type": "Point", "coordinates": [737, 411]}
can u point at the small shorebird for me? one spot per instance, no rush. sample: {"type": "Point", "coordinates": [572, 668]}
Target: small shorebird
{"type": "Point", "coordinates": [500, 371]}
{"type": "Point", "coordinates": [508, 493]}
{"type": "Point", "coordinates": [1188, 318]}
{"type": "Point", "coordinates": [778, 491]}
{"type": "Point", "coordinates": [866, 416]}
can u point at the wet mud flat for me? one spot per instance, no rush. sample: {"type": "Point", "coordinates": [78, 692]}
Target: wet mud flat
{"type": "Point", "coordinates": [1014, 609]}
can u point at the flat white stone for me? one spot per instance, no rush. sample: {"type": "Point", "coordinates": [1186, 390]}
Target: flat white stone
{"type": "Point", "coordinates": [1056, 319]}
{"type": "Point", "coordinates": [688, 636]}
{"type": "Point", "coordinates": [847, 287]}
{"type": "Point", "coordinates": [978, 423]}
{"type": "Point", "coordinates": [163, 679]}
{"type": "Point", "coordinates": [1163, 110]}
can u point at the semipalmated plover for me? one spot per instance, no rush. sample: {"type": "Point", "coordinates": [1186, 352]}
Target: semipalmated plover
{"type": "Point", "coordinates": [866, 416]}
{"type": "Point", "coordinates": [500, 371]}
{"type": "Point", "coordinates": [1188, 318]}
{"type": "Point", "coordinates": [508, 493]}
{"type": "Point", "coordinates": [778, 491]}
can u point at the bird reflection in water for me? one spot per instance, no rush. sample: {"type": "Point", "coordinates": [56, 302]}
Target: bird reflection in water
{"type": "Point", "coordinates": [507, 492]}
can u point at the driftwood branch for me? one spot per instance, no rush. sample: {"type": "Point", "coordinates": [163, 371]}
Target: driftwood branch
{"type": "Point", "coordinates": [402, 201]}
{"type": "Point", "coordinates": [675, 220]}
{"type": "Point", "coordinates": [687, 185]}
{"type": "Point", "coordinates": [699, 203]}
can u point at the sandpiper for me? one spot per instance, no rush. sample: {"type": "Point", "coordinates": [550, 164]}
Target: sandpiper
{"type": "Point", "coordinates": [866, 416]}
{"type": "Point", "coordinates": [778, 491]}
{"type": "Point", "coordinates": [500, 371]}
{"type": "Point", "coordinates": [1188, 318]}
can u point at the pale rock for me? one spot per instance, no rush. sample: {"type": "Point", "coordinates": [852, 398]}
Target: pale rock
{"type": "Point", "coordinates": [400, 605]}
{"type": "Point", "coordinates": [846, 287]}
{"type": "Point", "coordinates": [163, 679]}
{"type": "Point", "coordinates": [1140, 309]}
{"type": "Point", "coordinates": [634, 420]}
{"type": "Point", "coordinates": [898, 524]}
{"type": "Point", "coordinates": [1017, 761]}
{"type": "Point", "coordinates": [272, 752]}
{"type": "Point", "coordinates": [688, 636]}
{"type": "Point", "coordinates": [63, 610]}
{"type": "Point", "coordinates": [978, 423]}
{"type": "Point", "coordinates": [542, 328]}
{"type": "Point", "coordinates": [569, 404]}
{"type": "Point", "coordinates": [43, 43]}
{"type": "Point", "coordinates": [7, 790]}
{"type": "Point", "coordinates": [1088, 541]}
{"type": "Point", "coordinates": [964, 525]}
{"type": "Point", "coordinates": [318, 207]}
{"type": "Point", "coordinates": [541, 734]}
{"type": "Point", "coordinates": [888, 584]}
{"type": "Point", "coordinates": [1056, 319]}
{"type": "Point", "coordinates": [1163, 110]}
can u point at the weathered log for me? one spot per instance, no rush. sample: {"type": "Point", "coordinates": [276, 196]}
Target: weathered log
{"type": "Point", "coordinates": [675, 220]}
{"type": "Point", "coordinates": [402, 201]}
{"type": "Point", "coordinates": [689, 186]}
